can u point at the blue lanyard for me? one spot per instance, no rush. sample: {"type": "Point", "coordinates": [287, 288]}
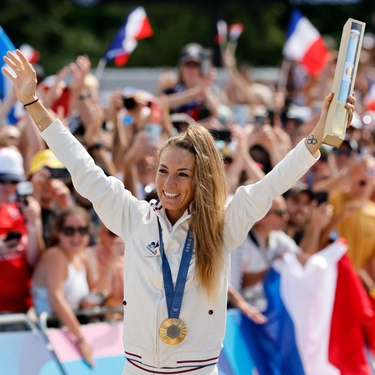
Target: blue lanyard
{"type": "Point", "coordinates": [174, 296]}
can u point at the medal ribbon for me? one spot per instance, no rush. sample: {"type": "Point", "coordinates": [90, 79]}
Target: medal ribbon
{"type": "Point", "coordinates": [174, 296]}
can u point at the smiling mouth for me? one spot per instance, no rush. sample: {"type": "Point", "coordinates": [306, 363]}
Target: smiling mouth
{"type": "Point", "coordinates": [170, 195]}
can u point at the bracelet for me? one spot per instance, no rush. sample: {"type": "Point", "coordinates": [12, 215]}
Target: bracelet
{"type": "Point", "coordinates": [371, 292]}
{"type": "Point", "coordinates": [25, 105]}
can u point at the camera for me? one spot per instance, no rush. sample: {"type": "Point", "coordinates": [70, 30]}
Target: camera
{"type": "Point", "coordinates": [130, 102]}
{"type": "Point", "coordinates": [24, 188]}
{"type": "Point", "coordinates": [59, 174]}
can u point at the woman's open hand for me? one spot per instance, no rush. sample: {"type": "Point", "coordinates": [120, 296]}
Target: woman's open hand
{"type": "Point", "coordinates": [23, 78]}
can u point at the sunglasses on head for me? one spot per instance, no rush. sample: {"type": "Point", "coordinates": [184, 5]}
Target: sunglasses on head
{"type": "Point", "coordinates": [70, 231]}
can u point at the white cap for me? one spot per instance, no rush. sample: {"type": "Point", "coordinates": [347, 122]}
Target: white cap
{"type": "Point", "coordinates": [11, 165]}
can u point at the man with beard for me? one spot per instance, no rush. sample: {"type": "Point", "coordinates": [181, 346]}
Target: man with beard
{"type": "Point", "coordinates": [299, 204]}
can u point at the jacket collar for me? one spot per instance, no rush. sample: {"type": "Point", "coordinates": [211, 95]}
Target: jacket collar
{"type": "Point", "coordinates": [160, 212]}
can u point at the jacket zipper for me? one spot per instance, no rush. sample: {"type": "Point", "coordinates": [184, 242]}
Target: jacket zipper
{"type": "Point", "coordinates": [157, 322]}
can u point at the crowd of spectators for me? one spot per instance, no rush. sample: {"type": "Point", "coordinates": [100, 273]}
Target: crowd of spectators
{"type": "Point", "coordinates": [57, 256]}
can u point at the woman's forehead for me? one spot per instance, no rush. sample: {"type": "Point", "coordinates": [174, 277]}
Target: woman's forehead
{"type": "Point", "coordinates": [173, 156]}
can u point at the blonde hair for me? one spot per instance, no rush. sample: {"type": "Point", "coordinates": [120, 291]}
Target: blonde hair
{"type": "Point", "coordinates": [209, 183]}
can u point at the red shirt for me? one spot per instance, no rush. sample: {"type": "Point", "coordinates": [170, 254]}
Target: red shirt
{"type": "Point", "coordinates": [15, 276]}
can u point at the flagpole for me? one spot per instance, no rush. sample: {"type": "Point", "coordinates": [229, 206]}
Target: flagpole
{"type": "Point", "coordinates": [100, 68]}
{"type": "Point", "coordinates": [283, 75]}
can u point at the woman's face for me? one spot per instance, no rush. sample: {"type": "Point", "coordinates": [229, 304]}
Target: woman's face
{"type": "Point", "coordinates": [174, 181]}
{"type": "Point", "coordinates": [190, 73]}
{"type": "Point", "coordinates": [7, 190]}
{"type": "Point", "coordinates": [111, 242]}
{"type": "Point", "coordinates": [74, 235]}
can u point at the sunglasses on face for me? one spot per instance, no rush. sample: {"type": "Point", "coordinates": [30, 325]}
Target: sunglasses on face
{"type": "Point", "coordinates": [337, 151]}
{"type": "Point", "coordinates": [279, 213]}
{"type": "Point", "coordinates": [8, 182]}
{"type": "Point", "coordinates": [70, 231]}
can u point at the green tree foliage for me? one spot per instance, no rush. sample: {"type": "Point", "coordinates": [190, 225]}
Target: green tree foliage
{"type": "Point", "coordinates": [60, 30]}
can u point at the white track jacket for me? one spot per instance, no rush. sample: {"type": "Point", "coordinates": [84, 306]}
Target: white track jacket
{"type": "Point", "coordinates": [135, 222]}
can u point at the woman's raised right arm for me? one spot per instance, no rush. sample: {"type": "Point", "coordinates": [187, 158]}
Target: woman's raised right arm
{"type": "Point", "coordinates": [24, 81]}
{"type": "Point", "coordinates": [111, 201]}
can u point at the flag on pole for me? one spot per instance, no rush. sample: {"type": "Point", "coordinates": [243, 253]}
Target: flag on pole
{"type": "Point", "coordinates": [135, 27]}
{"type": "Point", "coordinates": [305, 45]}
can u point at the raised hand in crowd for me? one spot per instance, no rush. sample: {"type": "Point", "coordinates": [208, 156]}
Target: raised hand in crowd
{"type": "Point", "coordinates": [139, 151]}
{"type": "Point", "coordinates": [51, 89]}
{"type": "Point", "coordinates": [6, 105]}
{"type": "Point", "coordinates": [314, 236]}
{"type": "Point", "coordinates": [265, 136]}
{"type": "Point", "coordinates": [237, 87]}
{"type": "Point", "coordinates": [31, 209]}
{"type": "Point", "coordinates": [55, 189]}
{"type": "Point", "coordinates": [241, 160]}
{"type": "Point", "coordinates": [167, 80]}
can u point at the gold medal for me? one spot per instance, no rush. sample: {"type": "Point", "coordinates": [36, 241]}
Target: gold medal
{"type": "Point", "coordinates": [172, 331]}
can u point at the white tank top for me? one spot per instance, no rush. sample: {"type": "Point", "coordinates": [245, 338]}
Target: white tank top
{"type": "Point", "coordinates": [76, 288]}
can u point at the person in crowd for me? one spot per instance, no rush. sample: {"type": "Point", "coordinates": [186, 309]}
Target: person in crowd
{"type": "Point", "coordinates": [354, 216]}
{"type": "Point", "coordinates": [50, 181]}
{"type": "Point", "coordinates": [299, 201]}
{"type": "Point", "coordinates": [9, 136]}
{"type": "Point", "coordinates": [188, 323]}
{"type": "Point", "coordinates": [193, 94]}
{"type": "Point", "coordinates": [344, 155]}
{"type": "Point", "coordinates": [240, 166]}
{"type": "Point", "coordinates": [21, 240]}
{"type": "Point", "coordinates": [252, 259]}
{"type": "Point", "coordinates": [60, 281]}
{"type": "Point", "coordinates": [106, 261]}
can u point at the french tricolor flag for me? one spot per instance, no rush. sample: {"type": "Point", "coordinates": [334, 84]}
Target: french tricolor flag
{"type": "Point", "coordinates": [320, 318]}
{"type": "Point", "coordinates": [135, 27]}
{"type": "Point", "coordinates": [305, 45]}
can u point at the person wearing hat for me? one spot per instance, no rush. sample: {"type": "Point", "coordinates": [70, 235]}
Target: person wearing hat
{"type": "Point", "coordinates": [309, 216]}
{"type": "Point", "coordinates": [193, 94]}
{"type": "Point", "coordinates": [20, 235]}
{"type": "Point", "coordinates": [52, 193]}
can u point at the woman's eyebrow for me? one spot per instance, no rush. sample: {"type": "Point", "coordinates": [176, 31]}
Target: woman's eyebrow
{"type": "Point", "coordinates": [179, 169]}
